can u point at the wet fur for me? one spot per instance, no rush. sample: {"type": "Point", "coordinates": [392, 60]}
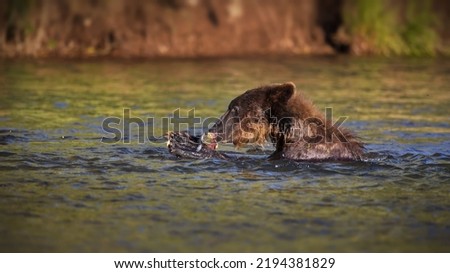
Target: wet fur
{"type": "Point", "coordinates": [278, 113]}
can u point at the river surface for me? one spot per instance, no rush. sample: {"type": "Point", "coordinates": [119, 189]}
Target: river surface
{"type": "Point", "coordinates": [64, 190]}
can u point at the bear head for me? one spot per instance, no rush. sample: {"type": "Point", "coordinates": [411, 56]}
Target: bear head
{"type": "Point", "coordinates": [250, 118]}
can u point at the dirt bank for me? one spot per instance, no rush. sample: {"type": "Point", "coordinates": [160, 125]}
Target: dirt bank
{"type": "Point", "coordinates": [174, 28]}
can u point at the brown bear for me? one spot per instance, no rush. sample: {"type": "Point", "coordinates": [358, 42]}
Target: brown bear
{"type": "Point", "coordinates": [277, 113]}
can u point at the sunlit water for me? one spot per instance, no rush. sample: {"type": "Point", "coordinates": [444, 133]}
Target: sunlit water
{"type": "Point", "coordinates": [62, 189]}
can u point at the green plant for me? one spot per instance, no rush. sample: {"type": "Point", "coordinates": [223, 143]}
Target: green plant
{"type": "Point", "coordinates": [381, 26]}
{"type": "Point", "coordinates": [419, 31]}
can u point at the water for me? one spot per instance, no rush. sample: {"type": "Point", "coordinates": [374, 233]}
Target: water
{"type": "Point", "coordinates": [62, 190]}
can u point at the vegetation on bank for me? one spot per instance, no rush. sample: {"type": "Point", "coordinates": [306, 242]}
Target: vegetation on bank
{"type": "Point", "coordinates": [386, 28]}
{"type": "Point", "coordinates": [196, 28]}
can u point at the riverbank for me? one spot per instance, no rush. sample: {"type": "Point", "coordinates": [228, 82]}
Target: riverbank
{"type": "Point", "coordinates": [202, 28]}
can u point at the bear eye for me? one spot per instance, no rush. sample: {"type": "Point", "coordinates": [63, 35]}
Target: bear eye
{"type": "Point", "coordinates": [233, 108]}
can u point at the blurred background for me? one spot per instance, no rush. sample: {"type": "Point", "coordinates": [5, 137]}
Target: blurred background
{"type": "Point", "coordinates": [203, 28]}
{"type": "Point", "coordinates": [66, 66]}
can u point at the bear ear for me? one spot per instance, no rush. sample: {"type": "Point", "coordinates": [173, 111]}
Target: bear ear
{"type": "Point", "coordinates": [281, 92]}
